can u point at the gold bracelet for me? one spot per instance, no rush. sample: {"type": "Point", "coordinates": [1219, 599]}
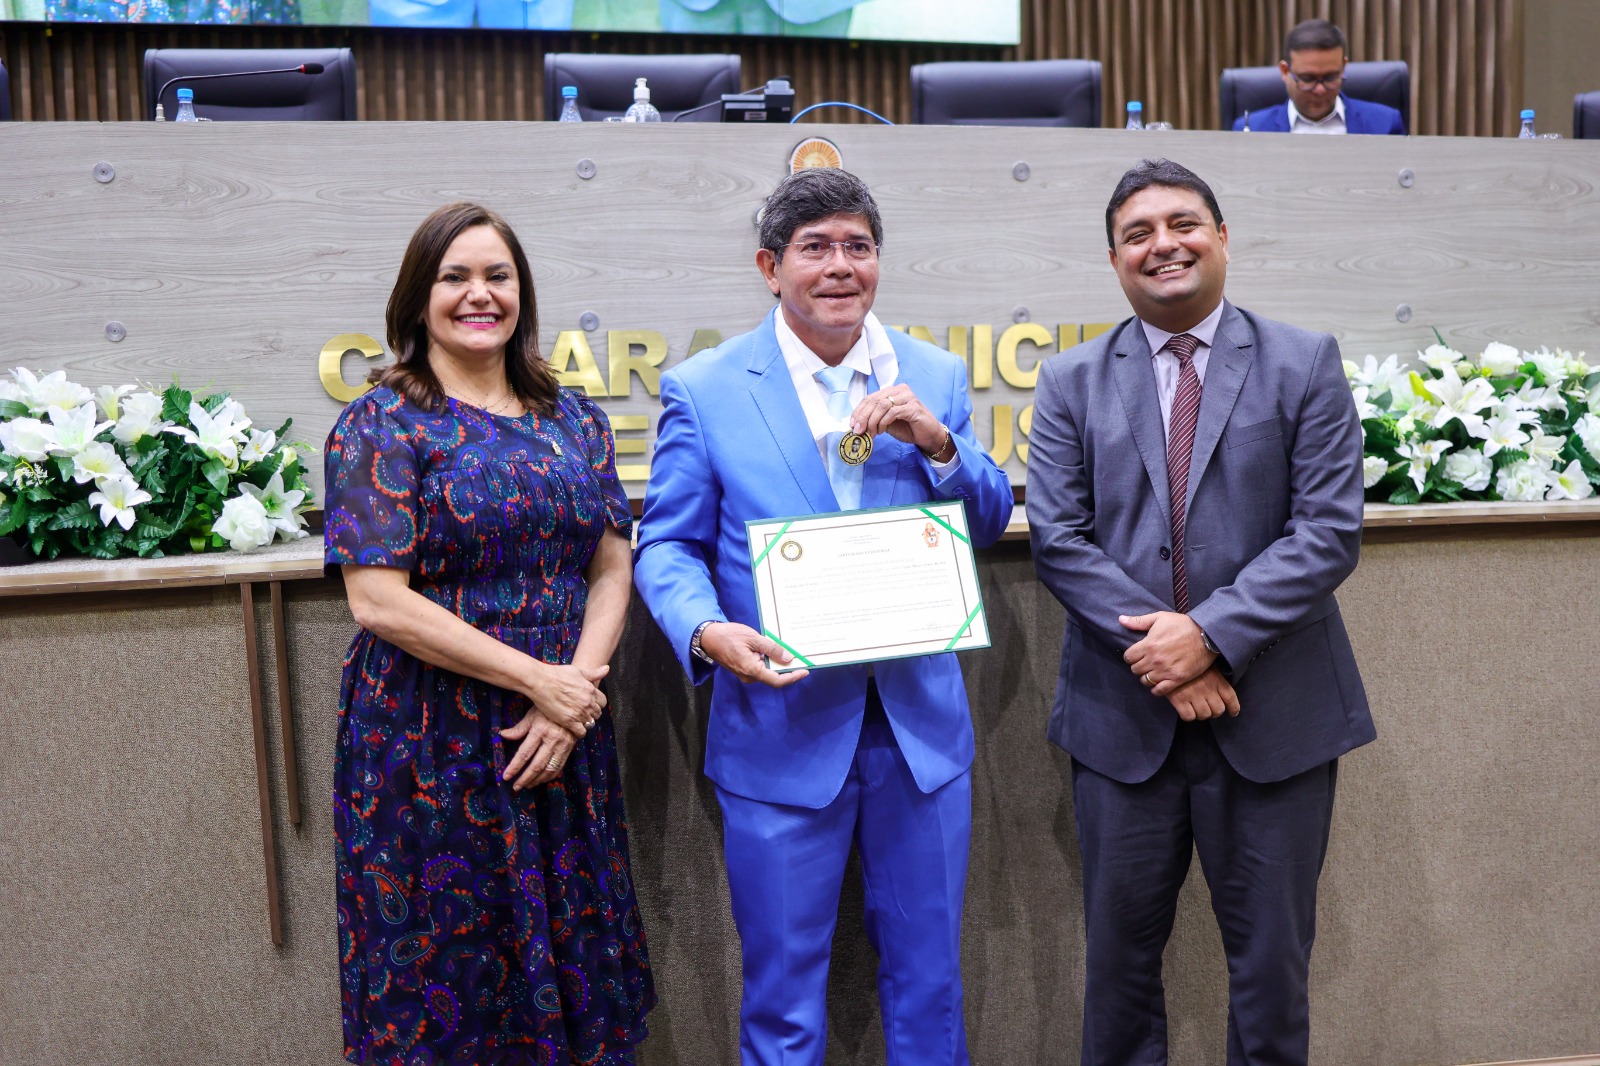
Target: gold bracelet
{"type": "Point", "coordinates": [933, 456]}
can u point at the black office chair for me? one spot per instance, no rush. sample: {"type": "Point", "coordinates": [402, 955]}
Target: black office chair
{"type": "Point", "coordinates": [1040, 92]}
{"type": "Point", "coordinates": [5, 93]}
{"type": "Point", "coordinates": [1586, 116]}
{"type": "Point", "coordinates": [605, 83]}
{"type": "Point", "coordinates": [329, 96]}
{"type": "Point", "coordinates": [1254, 88]}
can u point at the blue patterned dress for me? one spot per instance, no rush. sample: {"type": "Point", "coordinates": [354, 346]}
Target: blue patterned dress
{"type": "Point", "coordinates": [477, 924]}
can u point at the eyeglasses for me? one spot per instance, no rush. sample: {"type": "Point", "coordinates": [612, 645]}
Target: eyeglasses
{"type": "Point", "coordinates": [1311, 81]}
{"type": "Point", "coordinates": [821, 251]}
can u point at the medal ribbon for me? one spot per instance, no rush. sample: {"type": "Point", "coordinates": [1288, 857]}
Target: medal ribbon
{"type": "Point", "coordinates": [846, 479]}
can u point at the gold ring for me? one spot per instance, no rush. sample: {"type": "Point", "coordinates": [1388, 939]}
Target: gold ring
{"type": "Point", "coordinates": [553, 764]}
{"type": "Point", "coordinates": [1147, 679]}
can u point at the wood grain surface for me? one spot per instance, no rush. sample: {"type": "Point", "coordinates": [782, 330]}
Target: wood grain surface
{"type": "Point", "coordinates": [295, 561]}
{"type": "Point", "coordinates": [232, 253]}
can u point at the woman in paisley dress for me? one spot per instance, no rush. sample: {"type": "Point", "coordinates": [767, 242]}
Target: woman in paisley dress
{"type": "Point", "coordinates": [486, 911]}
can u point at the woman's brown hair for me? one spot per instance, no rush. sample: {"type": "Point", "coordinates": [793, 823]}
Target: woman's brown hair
{"type": "Point", "coordinates": [411, 375]}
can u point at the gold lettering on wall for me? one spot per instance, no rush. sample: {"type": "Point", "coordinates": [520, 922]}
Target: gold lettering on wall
{"type": "Point", "coordinates": [958, 347]}
{"type": "Point", "coordinates": [981, 365]}
{"type": "Point", "coordinates": [620, 344]}
{"type": "Point", "coordinates": [621, 424]}
{"type": "Point", "coordinates": [1002, 433]}
{"type": "Point", "coordinates": [1006, 355]}
{"type": "Point", "coordinates": [703, 339]}
{"type": "Point", "coordinates": [980, 362]}
{"type": "Point", "coordinates": [572, 347]}
{"type": "Point", "coordinates": [643, 353]}
{"type": "Point", "coordinates": [331, 361]}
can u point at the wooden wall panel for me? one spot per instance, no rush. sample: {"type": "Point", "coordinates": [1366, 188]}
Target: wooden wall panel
{"type": "Point", "coordinates": [232, 258]}
{"type": "Point", "coordinates": [1464, 56]}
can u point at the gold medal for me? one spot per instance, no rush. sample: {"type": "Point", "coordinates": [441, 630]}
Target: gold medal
{"type": "Point", "coordinates": [855, 448]}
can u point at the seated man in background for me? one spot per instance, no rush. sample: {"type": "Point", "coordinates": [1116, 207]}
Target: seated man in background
{"type": "Point", "coordinates": [1312, 66]}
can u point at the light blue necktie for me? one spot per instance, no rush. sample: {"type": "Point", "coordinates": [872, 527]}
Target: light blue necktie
{"type": "Point", "coordinates": [846, 479]}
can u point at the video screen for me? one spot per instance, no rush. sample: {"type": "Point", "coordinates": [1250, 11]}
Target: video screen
{"type": "Point", "coordinates": [945, 21]}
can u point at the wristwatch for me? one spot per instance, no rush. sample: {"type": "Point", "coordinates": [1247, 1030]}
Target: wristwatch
{"type": "Point", "coordinates": [1205, 639]}
{"type": "Point", "coordinates": [694, 643]}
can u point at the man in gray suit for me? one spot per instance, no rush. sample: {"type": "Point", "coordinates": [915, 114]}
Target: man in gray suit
{"type": "Point", "coordinates": [1194, 497]}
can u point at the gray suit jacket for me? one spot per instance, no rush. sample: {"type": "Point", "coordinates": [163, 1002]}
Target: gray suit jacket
{"type": "Point", "coordinates": [1273, 527]}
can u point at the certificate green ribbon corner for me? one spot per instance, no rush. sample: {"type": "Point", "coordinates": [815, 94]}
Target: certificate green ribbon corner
{"type": "Point", "coordinates": [775, 538]}
{"type": "Point", "coordinates": [965, 626]}
{"type": "Point", "coordinates": [801, 659]}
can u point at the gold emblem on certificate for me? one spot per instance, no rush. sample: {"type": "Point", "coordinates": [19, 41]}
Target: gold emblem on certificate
{"type": "Point", "coordinates": [855, 448]}
{"type": "Point", "coordinates": [791, 550]}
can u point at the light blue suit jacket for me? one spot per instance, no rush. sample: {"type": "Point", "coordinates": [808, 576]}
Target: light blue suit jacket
{"type": "Point", "coordinates": [1273, 527]}
{"type": "Point", "coordinates": [733, 445]}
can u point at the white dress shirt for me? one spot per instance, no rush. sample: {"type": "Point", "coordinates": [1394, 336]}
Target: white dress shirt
{"type": "Point", "coordinates": [1166, 364]}
{"type": "Point", "coordinates": [872, 354]}
{"type": "Point", "coordinates": [1332, 122]}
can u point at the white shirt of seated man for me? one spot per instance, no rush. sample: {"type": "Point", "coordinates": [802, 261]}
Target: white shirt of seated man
{"type": "Point", "coordinates": [1332, 122]}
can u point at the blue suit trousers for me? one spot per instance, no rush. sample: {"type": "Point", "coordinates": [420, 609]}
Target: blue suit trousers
{"type": "Point", "coordinates": [785, 869]}
{"type": "Point", "coordinates": [1261, 848]}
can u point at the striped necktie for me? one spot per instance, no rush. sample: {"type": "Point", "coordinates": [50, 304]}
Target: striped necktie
{"type": "Point", "coordinates": [1180, 444]}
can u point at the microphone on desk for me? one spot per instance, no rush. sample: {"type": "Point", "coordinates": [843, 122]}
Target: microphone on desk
{"type": "Point", "coordinates": [303, 68]}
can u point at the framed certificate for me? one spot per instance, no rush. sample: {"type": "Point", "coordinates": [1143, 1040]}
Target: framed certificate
{"type": "Point", "coordinates": [863, 586]}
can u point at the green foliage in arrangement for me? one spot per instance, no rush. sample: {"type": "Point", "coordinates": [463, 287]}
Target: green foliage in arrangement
{"type": "Point", "coordinates": [1501, 425]}
{"type": "Point", "coordinates": [128, 472]}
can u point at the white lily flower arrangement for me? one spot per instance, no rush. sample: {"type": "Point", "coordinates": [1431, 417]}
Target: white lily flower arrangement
{"type": "Point", "coordinates": [1501, 425]}
{"type": "Point", "coordinates": [126, 471]}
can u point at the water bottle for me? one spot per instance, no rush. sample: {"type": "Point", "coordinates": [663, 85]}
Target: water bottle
{"type": "Point", "coordinates": [569, 109]}
{"type": "Point", "coordinates": [1527, 133]}
{"type": "Point", "coordinates": [185, 106]}
{"type": "Point", "coordinates": [1135, 115]}
{"type": "Point", "coordinates": [642, 110]}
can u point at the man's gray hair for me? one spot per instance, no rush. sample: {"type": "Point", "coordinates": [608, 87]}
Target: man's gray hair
{"type": "Point", "coordinates": [810, 195]}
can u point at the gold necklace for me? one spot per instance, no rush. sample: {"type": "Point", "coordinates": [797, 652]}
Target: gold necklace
{"type": "Point", "coordinates": [493, 408]}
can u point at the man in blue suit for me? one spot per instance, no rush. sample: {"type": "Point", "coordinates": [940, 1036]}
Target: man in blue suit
{"type": "Point", "coordinates": [1194, 498]}
{"type": "Point", "coordinates": [805, 763]}
{"type": "Point", "coordinates": [1314, 58]}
